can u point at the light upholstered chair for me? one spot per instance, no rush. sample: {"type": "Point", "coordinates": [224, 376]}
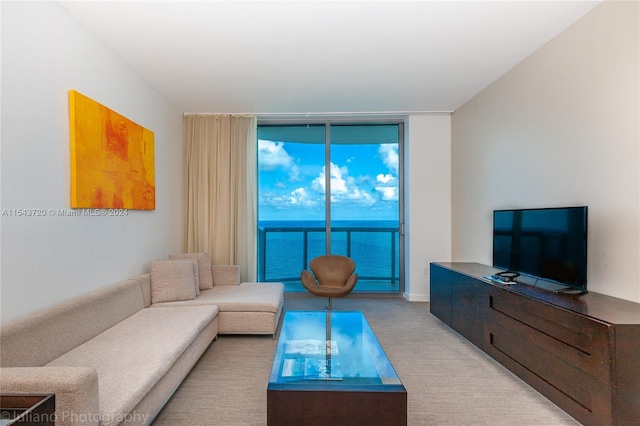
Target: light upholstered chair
{"type": "Point", "coordinates": [334, 276]}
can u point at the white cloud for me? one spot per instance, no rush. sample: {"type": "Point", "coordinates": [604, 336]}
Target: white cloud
{"type": "Point", "coordinates": [273, 200]}
{"type": "Point", "coordinates": [339, 180]}
{"type": "Point", "coordinates": [388, 188]}
{"type": "Point", "coordinates": [272, 155]}
{"type": "Point", "coordinates": [388, 193]}
{"type": "Point", "coordinates": [386, 179]}
{"type": "Point", "coordinates": [344, 187]}
{"type": "Point", "coordinates": [294, 174]}
{"type": "Point", "coordinates": [361, 197]}
{"type": "Point", "coordinates": [300, 197]}
{"type": "Point", "coordinates": [389, 155]}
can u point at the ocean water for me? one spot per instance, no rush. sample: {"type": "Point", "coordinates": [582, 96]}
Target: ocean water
{"type": "Point", "coordinates": [286, 247]}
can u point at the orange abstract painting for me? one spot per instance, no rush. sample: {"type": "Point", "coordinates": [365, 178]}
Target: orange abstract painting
{"type": "Point", "coordinates": [112, 158]}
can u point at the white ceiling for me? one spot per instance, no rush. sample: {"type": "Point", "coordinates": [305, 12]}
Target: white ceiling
{"type": "Point", "coordinates": [323, 56]}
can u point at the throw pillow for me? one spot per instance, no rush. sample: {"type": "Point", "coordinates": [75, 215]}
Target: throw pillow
{"type": "Point", "coordinates": [204, 265]}
{"type": "Point", "coordinates": [196, 272]}
{"type": "Point", "coordinates": [173, 280]}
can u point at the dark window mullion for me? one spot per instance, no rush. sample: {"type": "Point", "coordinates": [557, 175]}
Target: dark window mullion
{"type": "Point", "coordinates": [327, 185]}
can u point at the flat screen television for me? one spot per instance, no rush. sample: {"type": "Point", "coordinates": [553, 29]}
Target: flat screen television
{"type": "Point", "coordinates": [545, 243]}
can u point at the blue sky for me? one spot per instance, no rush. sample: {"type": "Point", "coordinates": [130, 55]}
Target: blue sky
{"type": "Point", "coordinates": [364, 181]}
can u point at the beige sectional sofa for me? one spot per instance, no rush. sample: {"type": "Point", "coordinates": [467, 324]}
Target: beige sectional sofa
{"type": "Point", "coordinates": [115, 357]}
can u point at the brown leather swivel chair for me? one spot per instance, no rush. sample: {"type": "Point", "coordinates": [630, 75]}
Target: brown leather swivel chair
{"type": "Point", "coordinates": [334, 276]}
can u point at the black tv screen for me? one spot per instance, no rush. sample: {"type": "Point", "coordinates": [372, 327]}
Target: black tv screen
{"type": "Point", "coordinates": [549, 243]}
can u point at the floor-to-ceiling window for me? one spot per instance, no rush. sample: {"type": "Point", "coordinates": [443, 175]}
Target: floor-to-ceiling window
{"type": "Point", "coordinates": [331, 187]}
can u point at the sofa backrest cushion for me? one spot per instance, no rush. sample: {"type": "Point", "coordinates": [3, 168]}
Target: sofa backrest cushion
{"type": "Point", "coordinates": [225, 275]}
{"type": "Point", "coordinates": [173, 280]}
{"type": "Point", "coordinates": [204, 267]}
{"type": "Point", "coordinates": [39, 338]}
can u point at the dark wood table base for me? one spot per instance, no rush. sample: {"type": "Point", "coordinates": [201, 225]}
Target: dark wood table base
{"type": "Point", "coordinates": [311, 407]}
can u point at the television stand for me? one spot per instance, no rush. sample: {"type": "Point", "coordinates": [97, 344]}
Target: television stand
{"type": "Point", "coordinates": [579, 351]}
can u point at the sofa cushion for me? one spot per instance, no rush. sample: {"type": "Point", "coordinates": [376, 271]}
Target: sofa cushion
{"type": "Point", "coordinates": [196, 272]}
{"type": "Point", "coordinates": [173, 280]}
{"type": "Point", "coordinates": [246, 297]}
{"type": "Point", "coordinates": [204, 267]}
{"type": "Point", "coordinates": [132, 356]}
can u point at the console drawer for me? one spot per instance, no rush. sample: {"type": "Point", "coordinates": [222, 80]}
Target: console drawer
{"type": "Point", "coordinates": [577, 339]}
{"type": "Point", "coordinates": [550, 367]}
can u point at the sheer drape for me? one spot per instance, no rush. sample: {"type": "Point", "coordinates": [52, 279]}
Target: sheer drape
{"type": "Point", "coordinates": [219, 163]}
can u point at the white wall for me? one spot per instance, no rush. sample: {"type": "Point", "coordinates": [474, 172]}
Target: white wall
{"type": "Point", "coordinates": [45, 260]}
{"type": "Point", "coordinates": [561, 128]}
{"type": "Point", "coordinates": [428, 200]}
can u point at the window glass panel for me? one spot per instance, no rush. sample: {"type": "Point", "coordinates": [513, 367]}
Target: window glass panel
{"type": "Point", "coordinates": [291, 209]}
{"type": "Point", "coordinates": [364, 203]}
{"type": "Point", "coordinates": [290, 161]}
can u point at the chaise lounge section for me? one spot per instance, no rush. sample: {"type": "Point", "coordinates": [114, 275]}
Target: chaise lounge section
{"type": "Point", "coordinates": [245, 308]}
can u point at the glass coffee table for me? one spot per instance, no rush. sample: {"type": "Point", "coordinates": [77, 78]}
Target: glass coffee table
{"type": "Point", "coordinates": [329, 368]}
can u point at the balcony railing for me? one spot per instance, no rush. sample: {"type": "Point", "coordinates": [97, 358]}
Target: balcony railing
{"type": "Point", "coordinates": [283, 252]}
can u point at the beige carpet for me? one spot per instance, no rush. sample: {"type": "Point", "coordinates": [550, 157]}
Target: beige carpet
{"type": "Point", "coordinates": [448, 380]}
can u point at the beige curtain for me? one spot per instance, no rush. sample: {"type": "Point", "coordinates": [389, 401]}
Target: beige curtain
{"type": "Point", "coordinates": [220, 189]}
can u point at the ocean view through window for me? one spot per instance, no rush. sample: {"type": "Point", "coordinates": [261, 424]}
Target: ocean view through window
{"type": "Point", "coordinates": [330, 188]}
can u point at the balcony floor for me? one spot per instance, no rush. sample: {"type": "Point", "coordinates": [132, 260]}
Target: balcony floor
{"type": "Point", "coordinates": [361, 286]}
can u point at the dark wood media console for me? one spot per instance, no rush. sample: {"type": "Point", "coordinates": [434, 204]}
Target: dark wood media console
{"type": "Point", "coordinates": [580, 351]}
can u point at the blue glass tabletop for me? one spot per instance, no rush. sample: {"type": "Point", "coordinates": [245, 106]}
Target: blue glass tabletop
{"type": "Point", "coordinates": [330, 349]}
